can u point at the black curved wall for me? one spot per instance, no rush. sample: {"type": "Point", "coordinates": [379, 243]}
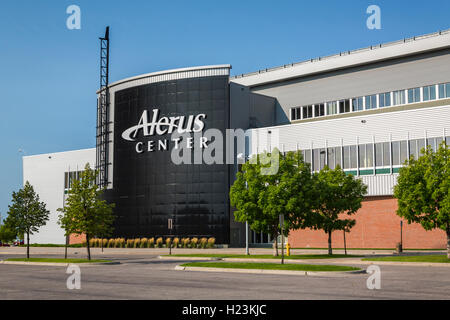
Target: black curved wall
{"type": "Point", "coordinates": [148, 188]}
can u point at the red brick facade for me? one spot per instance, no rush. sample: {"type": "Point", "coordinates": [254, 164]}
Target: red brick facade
{"type": "Point", "coordinates": [377, 226]}
{"type": "Point", "coordinates": [76, 239]}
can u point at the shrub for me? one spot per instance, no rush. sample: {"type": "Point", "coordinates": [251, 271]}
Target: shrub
{"type": "Point", "coordinates": [144, 242]}
{"type": "Point", "coordinates": [151, 243]}
{"type": "Point", "coordinates": [83, 243]}
{"type": "Point", "coordinates": [176, 242]}
{"type": "Point", "coordinates": [203, 243]}
{"type": "Point", "coordinates": [117, 243]}
{"type": "Point", "coordinates": [137, 243]}
{"type": "Point", "coordinates": [159, 242]}
{"type": "Point", "coordinates": [111, 243]}
{"type": "Point", "coordinates": [185, 242]}
{"type": "Point", "coordinates": [168, 242]}
{"type": "Point", "coordinates": [211, 242]}
{"type": "Point", "coordinates": [194, 242]}
{"type": "Point", "coordinates": [130, 243]}
{"type": "Point", "coordinates": [104, 243]}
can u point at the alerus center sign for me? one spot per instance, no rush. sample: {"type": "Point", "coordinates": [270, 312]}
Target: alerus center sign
{"type": "Point", "coordinates": [176, 126]}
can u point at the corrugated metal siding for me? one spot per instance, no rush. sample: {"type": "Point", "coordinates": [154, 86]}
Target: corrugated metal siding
{"type": "Point", "coordinates": [348, 131]}
{"type": "Point", "coordinates": [380, 185]}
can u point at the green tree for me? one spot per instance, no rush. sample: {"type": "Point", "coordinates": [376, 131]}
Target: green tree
{"type": "Point", "coordinates": [423, 190]}
{"type": "Point", "coordinates": [337, 194]}
{"type": "Point", "coordinates": [7, 234]}
{"type": "Point", "coordinates": [269, 185]}
{"type": "Point", "coordinates": [26, 214]}
{"type": "Point", "coordinates": [85, 212]}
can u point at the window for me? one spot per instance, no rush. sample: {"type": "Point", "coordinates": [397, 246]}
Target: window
{"type": "Point", "coordinates": [379, 154]}
{"type": "Point", "coordinates": [307, 155]}
{"type": "Point", "coordinates": [414, 95]}
{"type": "Point", "coordinates": [346, 158]}
{"type": "Point", "coordinates": [338, 155]}
{"type": "Point", "coordinates": [357, 104]}
{"type": "Point", "coordinates": [386, 154]}
{"type": "Point", "coordinates": [403, 151]}
{"type": "Point", "coordinates": [399, 97]}
{"type": "Point", "coordinates": [323, 158]}
{"type": "Point", "coordinates": [331, 158]}
{"type": "Point", "coordinates": [429, 93]}
{"type": "Point", "coordinates": [332, 108]}
{"type": "Point", "coordinates": [371, 102]}
{"type": "Point", "coordinates": [295, 114]}
{"type": "Point", "coordinates": [319, 110]}
{"type": "Point", "coordinates": [307, 112]}
{"type": "Point", "coordinates": [385, 99]}
{"type": "Point", "coordinates": [444, 90]}
{"type": "Point", "coordinates": [344, 106]}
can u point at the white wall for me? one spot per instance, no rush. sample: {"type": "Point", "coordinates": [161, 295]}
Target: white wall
{"type": "Point", "coordinates": [45, 172]}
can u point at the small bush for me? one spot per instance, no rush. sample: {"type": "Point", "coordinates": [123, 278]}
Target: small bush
{"type": "Point", "coordinates": [111, 243]}
{"type": "Point", "coordinates": [159, 242]}
{"type": "Point", "coordinates": [185, 243]}
{"type": "Point", "coordinates": [211, 242]}
{"type": "Point", "coordinates": [122, 243]}
{"type": "Point", "coordinates": [83, 243]}
{"type": "Point", "coordinates": [194, 242]}
{"type": "Point", "coordinates": [117, 243]}
{"type": "Point", "coordinates": [144, 242]}
{"type": "Point", "coordinates": [130, 243]}
{"type": "Point", "coordinates": [151, 243]}
{"type": "Point", "coordinates": [137, 243]}
{"type": "Point", "coordinates": [168, 242]}
{"type": "Point", "coordinates": [104, 242]}
{"type": "Point", "coordinates": [203, 243]}
{"type": "Point", "coordinates": [176, 242]}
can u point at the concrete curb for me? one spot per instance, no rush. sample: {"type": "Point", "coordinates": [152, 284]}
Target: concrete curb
{"type": "Point", "coordinates": [401, 263]}
{"type": "Point", "coordinates": [57, 264]}
{"type": "Point", "coordinates": [265, 271]}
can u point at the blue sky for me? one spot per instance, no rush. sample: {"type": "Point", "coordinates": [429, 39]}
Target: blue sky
{"type": "Point", "coordinates": [49, 74]}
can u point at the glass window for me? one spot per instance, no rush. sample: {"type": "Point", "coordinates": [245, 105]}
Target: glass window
{"type": "Point", "coordinates": [403, 151]}
{"type": "Point", "coordinates": [319, 110]}
{"type": "Point", "coordinates": [331, 158]}
{"type": "Point", "coordinates": [379, 154]}
{"type": "Point", "coordinates": [429, 93]}
{"type": "Point", "coordinates": [369, 155]}
{"type": "Point", "coordinates": [293, 114]}
{"type": "Point", "coordinates": [344, 106]}
{"type": "Point", "coordinates": [307, 112]}
{"type": "Point", "coordinates": [357, 104]}
{"type": "Point", "coordinates": [385, 99]}
{"type": "Point", "coordinates": [307, 155]}
{"type": "Point", "coordinates": [413, 151]}
{"type": "Point", "coordinates": [316, 159]}
{"type": "Point", "coordinates": [399, 97]}
{"type": "Point", "coordinates": [323, 158]}
{"type": "Point", "coordinates": [332, 108]}
{"type": "Point", "coordinates": [298, 113]}
{"type": "Point", "coordinates": [338, 153]}
{"type": "Point", "coordinates": [346, 158]}
{"type": "Point", "coordinates": [386, 154]}
{"type": "Point", "coordinates": [396, 153]}
{"type": "Point", "coordinates": [66, 180]}
{"type": "Point", "coordinates": [414, 95]}
{"type": "Point", "coordinates": [353, 156]}
{"type": "Point", "coordinates": [447, 140]}
{"type": "Point", "coordinates": [420, 145]}
{"type": "Point", "coordinates": [371, 102]}
{"type": "Point", "coordinates": [444, 90]}
{"type": "Point", "coordinates": [362, 156]}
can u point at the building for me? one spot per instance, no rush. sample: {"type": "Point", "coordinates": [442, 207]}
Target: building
{"type": "Point", "coordinates": [366, 110]}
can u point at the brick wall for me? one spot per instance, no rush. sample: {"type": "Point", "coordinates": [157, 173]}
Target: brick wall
{"type": "Point", "coordinates": [377, 226]}
{"type": "Point", "coordinates": [75, 238]}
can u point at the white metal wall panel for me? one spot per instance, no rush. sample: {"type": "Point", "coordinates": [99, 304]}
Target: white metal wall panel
{"type": "Point", "coordinates": [380, 185]}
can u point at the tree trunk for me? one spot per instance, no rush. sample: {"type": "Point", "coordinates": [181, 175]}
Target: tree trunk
{"type": "Point", "coordinates": [275, 246]}
{"type": "Point", "coordinates": [330, 250]}
{"type": "Point", "coordinates": [28, 245]}
{"type": "Point", "coordinates": [88, 247]}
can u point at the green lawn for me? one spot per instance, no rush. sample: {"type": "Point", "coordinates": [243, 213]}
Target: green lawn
{"type": "Point", "coordinates": [51, 260]}
{"type": "Point", "coordinates": [266, 256]}
{"type": "Point", "coordinates": [270, 266]}
{"type": "Point", "coordinates": [430, 258]}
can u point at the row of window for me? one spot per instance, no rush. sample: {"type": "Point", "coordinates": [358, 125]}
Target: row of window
{"type": "Point", "coordinates": [365, 156]}
{"type": "Point", "coordinates": [70, 177]}
{"type": "Point", "coordinates": [381, 100]}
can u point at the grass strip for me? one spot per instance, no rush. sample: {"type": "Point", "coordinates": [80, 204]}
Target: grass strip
{"type": "Point", "coordinates": [270, 266]}
{"type": "Point", "coordinates": [266, 256]}
{"type": "Point", "coordinates": [52, 260]}
{"type": "Point", "coordinates": [424, 258]}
